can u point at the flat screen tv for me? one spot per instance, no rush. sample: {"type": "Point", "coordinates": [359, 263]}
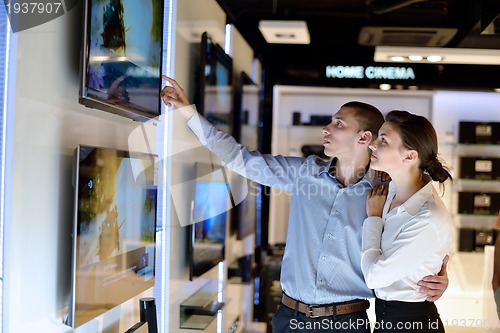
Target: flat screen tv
{"type": "Point", "coordinates": [122, 57]}
{"type": "Point", "coordinates": [210, 207]}
{"type": "Point", "coordinates": [214, 92]}
{"type": "Point", "coordinates": [115, 195]}
{"type": "Point", "coordinates": [246, 131]}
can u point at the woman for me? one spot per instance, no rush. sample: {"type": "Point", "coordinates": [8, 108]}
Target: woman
{"type": "Point", "coordinates": [408, 229]}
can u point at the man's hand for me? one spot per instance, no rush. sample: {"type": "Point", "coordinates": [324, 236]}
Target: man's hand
{"type": "Point", "coordinates": [175, 96]}
{"type": "Point", "coordinates": [495, 282]}
{"type": "Point", "coordinates": [435, 285]}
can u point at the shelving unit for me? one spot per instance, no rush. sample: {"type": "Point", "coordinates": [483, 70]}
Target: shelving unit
{"type": "Point", "coordinates": [477, 177]}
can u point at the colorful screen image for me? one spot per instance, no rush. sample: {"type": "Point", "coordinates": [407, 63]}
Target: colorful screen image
{"type": "Point", "coordinates": [210, 213]}
{"type": "Point", "coordinates": [116, 193]}
{"type": "Point", "coordinates": [124, 45]}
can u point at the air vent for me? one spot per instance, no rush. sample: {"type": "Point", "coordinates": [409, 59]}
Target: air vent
{"type": "Point", "coordinates": [402, 36]}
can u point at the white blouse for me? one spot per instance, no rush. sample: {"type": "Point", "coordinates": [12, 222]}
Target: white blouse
{"type": "Point", "coordinates": [406, 244]}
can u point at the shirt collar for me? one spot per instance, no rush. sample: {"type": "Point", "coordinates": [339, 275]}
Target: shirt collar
{"type": "Point", "coordinates": [370, 176]}
{"type": "Point", "coordinates": [414, 204]}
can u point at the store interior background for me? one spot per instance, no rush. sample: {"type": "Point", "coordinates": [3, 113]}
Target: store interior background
{"type": "Point", "coordinates": [44, 123]}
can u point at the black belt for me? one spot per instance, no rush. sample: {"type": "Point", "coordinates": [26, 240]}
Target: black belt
{"type": "Point", "coordinates": [328, 310]}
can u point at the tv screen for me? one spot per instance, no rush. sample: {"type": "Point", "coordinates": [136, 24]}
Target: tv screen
{"type": "Point", "coordinates": [122, 57]}
{"type": "Point", "coordinates": [115, 229]}
{"type": "Point", "coordinates": [210, 208]}
{"type": "Point", "coordinates": [214, 93]}
{"type": "Point", "coordinates": [246, 131]}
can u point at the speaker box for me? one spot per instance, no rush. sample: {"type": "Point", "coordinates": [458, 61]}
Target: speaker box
{"type": "Point", "coordinates": [296, 121]}
{"type": "Point", "coordinates": [467, 240]}
{"type": "Point", "coordinates": [478, 203]}
{"type": "Point", "coordinates": [479, 132]}
{"type": "Point", "coordinates": [244, 119]}
{"type": "Point", "coordinates": [480, 168]}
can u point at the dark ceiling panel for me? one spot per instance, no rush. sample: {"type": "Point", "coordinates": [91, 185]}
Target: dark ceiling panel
{"type": "Point", "coordinates": [334, 26]}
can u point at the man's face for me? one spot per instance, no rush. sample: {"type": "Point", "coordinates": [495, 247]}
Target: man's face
{"type": "Point", "coordinates": [341, 135]}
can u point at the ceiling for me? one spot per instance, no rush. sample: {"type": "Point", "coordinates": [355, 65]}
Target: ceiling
{"type": "Point", "coordinates": [335, 25]}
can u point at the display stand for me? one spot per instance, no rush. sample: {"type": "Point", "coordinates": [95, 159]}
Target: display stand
{"type": "Point", "coordinates": [147, 316]}
{"type": "Point", "coordinates": [198, 311]}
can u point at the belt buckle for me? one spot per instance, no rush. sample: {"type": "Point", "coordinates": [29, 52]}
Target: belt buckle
{"type": "Point", "coordinates": [310, 311]}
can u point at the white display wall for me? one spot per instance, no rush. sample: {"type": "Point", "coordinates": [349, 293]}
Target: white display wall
{"type": "Point", "coordinates": [46, 123]}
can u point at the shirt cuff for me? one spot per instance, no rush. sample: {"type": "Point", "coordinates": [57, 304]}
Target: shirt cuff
{"type": "Point", "coordinates": [372, 233]}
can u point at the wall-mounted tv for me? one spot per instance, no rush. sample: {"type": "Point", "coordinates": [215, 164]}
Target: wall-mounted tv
{"type": "Point", "coordinates": [214, 92]}
{"type": "Point", "coordinates": [122, 57]}
{"type": "Point", "coordinates": [115, 195]}
{"type": "Point", "coordinates": [210, 207]}
{"type": "Point", "coordinates": [246, 131]}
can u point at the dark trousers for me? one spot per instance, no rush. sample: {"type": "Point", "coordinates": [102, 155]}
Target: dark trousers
{"type": "Point", "coordinates": [288, 320]}
{"type": "Point", "coordinates": [396, 316]}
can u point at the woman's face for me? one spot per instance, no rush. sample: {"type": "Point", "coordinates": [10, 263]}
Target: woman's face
{"type": "Point", "coordinates": [388, 152]}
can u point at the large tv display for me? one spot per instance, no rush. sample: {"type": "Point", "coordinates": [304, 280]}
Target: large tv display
{"type": "Point", "coordinates": [210, 213]}
{"type": "Point", "coordinates": [122, 57]}
{"type": "Point", "coordinates": [246, 131]}
{"type": "Point", "coordinates": [214, 93]}
{"type": "Point", "coordinates": [114, 229]}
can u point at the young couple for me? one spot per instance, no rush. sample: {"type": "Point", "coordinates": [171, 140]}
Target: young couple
{"type": "Point", "coordinates": [341, 245]}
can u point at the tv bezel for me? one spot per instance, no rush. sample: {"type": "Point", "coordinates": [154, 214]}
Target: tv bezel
{"type": "Point", "coordinates": [236, 217]}
{"type": "Point", "coordinates": [100, 104]}
{"type": "Point", "coordinates": [201, 170]}
{"type": "Point", "coordinates": [70, 319]}
{"type": "Point", "coordinates": [210, 53]}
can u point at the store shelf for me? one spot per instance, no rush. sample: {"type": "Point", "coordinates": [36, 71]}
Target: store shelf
{"type": "Point", "coordinates": [477, 162]}
{"type": "Point", "coordinates": [478, 150]}
{"type": "Point", "coordinates": [476, 185]}
{"type": "Point", "coordinates": [475, 221]}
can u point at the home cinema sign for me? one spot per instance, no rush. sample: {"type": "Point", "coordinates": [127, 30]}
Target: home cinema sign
{"type": "Point", "coordinates": [370, 72]}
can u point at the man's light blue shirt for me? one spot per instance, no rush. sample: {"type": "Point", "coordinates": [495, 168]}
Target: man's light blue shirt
{"type": "Point", "coordinates": [322, 260]}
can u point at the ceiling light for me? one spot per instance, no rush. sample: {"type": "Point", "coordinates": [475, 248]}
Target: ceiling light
{"type": "Point", "coordinates": [448, 55]}
{"type": "Point", "coordinates": [497, 90]}
{"type": "Point", "coordinates": [434, 58]}
{"type": "Point", "coordinates": [415, 57]}
{"type": "Point", "coordinates": [384, 86]}
{"type": "Point", "coordinates": [398, 58]}
{"type": "Point", "coordinates": [285, 32]}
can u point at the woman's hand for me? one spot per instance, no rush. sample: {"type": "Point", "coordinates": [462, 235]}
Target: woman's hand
{"type": "Point", "coordinates": [376, 199]}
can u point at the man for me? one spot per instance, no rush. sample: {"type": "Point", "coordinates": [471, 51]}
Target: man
{"type": "Point", "coordinates": [495, 282]}
{"type": "Point", "coordinates": [323, 286]}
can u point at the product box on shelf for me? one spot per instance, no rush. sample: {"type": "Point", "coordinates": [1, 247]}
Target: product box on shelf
{"type": "Point", "coordinates": [478, 203]}
{"type": "Point", "coordinates": [479, 132]}
{"type": "Point", "coordinates": [482, 168]}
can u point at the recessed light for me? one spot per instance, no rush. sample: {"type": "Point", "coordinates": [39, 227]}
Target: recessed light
{"type": "Point", "coordinates": [497, 90]}
{"type": "Point", "coordinates": [397, 58]}
{"type": "Point", "coordinates": [434, 58]}
{"type": "Point", "coordinates": [285, 32]}
{"type": "Point", "coordinates": [384, 86]}
{"type": "Point", "coordinates": [448, 55]}
{"type": "Point", "coordinates": [415, 57]}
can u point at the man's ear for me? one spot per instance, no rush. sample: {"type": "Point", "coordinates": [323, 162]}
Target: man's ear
{"type": "Point", "coordinates": [365, 137]}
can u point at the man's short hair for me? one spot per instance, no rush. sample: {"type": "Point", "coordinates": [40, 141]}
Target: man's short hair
{"type": "Point", "coordinates": [369, 117]}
